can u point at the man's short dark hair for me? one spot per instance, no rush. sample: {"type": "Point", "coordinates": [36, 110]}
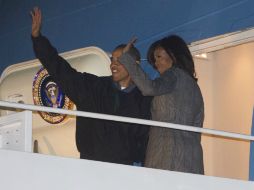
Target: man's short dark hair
{"type": "Point", "coordinates": [134, 52]}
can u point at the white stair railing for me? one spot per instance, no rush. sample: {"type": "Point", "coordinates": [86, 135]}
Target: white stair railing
{"type": "Point", "coordinates": [127, 120]}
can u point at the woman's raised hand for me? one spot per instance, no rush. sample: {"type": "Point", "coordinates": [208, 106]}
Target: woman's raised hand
{"type": "Point", "coordinates": [130, 43]}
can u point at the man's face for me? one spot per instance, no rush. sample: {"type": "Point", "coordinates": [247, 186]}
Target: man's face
{"type": "Point", "coordinates": [119, 73]}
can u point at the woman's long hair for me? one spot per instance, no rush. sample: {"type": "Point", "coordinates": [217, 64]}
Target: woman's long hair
{"type": "Point", "coordinates": [178, 50]}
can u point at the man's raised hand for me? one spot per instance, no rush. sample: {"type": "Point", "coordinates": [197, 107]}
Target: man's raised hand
{"type": "Point", "coordinates": [36, 21]}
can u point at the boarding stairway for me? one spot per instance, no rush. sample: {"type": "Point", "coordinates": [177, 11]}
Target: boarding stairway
{"type": "Point", "coordinates": [31, 171]}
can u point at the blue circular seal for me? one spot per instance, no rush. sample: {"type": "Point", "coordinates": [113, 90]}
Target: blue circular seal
{"type": "Point", "coordinates": [47, 93]}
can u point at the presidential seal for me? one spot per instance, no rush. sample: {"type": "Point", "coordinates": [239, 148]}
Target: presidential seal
{"type": "Point", "coordinates": [47, 93]}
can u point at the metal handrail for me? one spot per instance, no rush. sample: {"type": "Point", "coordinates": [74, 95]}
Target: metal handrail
{"type": "Point", "coordinates": [127, 120]}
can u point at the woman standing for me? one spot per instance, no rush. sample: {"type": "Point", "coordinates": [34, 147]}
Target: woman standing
{"type": "Point", "coordinates": [177, 99]}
